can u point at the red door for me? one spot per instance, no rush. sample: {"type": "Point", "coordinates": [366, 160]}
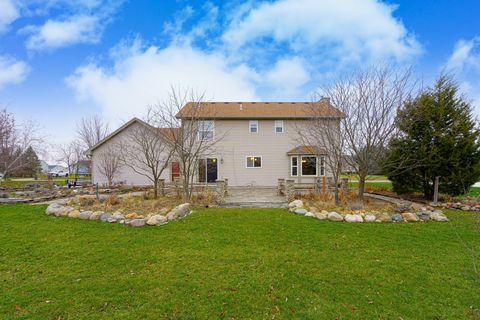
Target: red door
{"type": "Point", "coordinates": [175, 170]}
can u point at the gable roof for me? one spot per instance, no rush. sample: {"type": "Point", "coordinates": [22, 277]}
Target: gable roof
{"type": "Point", "coordinates": [306, 150]}
{"type": "Point", "coordinates": [260, 110]}
{"type": "Point", "coordinates": [165, 131]}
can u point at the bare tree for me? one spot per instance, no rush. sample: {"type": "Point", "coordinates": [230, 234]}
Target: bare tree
{"type": "Point", "coordinates": [110, 164]}
{"type": "Point", "coordinates": [147, 150]}
{"type": "Point", "coordinates": [369, 99]}
{"type": "Point", "coordinates": [91, 130]}
{"type": "Point", "coordinates": [325, 134]}
{"type": "Point", "coordinates": [71, 154]}
{"type": "Point", "coordinates": [195, 138]}
{"type": "Point", "coordinates": [15, 140]}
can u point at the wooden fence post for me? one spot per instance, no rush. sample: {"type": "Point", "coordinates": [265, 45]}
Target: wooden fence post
{"type": "Point", "coordinates": [435, 190]}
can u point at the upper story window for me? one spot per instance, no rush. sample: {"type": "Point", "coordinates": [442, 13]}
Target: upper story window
{"type": "Point", "coordinates": [253, 125]}
{"type": "Point", "coordinates": [206, 130]}
{"type": "Point", "coordinates": [278, 126]}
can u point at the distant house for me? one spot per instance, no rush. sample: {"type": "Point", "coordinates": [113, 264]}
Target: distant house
{"type": "Point", "coordinates": [44, 166]}
{"type": "Point", "coordinates": [259, 144]}
{"type": "Point", "coordinates": [82, 167]}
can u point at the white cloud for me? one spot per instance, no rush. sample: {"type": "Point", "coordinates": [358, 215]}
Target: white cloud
{"type": "Point", "coordinates": [353, 29]}
{"type": "Point", "coordinates": [61, 33]}
{"type": "Point", "coordinates": [287, 78]}
{"type": "Point", "coordinates": [464, 62]}
{"type": "Point", "coordinates": [8, 13]}
{"type": "Point", "coordinates": [143, 76]}
{"type": "Point", "coordinates": [465, 56]}
{"type": "Point", "coordinates": [12, 71]}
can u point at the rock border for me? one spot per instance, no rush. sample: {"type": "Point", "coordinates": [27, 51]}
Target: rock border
{"type": "Point", "coordinates": [62, 209]}
{"type": "Point", "coordinates": [402, 214]}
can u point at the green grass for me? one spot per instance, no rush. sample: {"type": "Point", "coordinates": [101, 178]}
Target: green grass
{"type": "Point", "coordinates": [373, 185]}
{"type": "Point", "coordinates": [353, 176]}
{"type": "Point", "coordinates": [473, 192]}
{"type": "Point", "coordinates": [236, 264]}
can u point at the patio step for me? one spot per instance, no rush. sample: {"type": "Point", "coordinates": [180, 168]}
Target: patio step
{"type": "Point", "coordinates": [255, 205]}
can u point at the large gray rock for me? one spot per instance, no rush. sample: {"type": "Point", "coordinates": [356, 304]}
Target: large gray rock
{"type": "Point", "coordinates": [301, 211]}
{"type": "Point", "coordinates": [383, 217]}
{"type": "Point", "coordinates": [397, 217]}
{"type": "Point", "coordinates": [369, 217]}
{"type": "Point", "coordinates": [156, 220]}
{"type": "Point", "coordinates": [321, 215]}
{"type": "Point", "coordinates": [85, 215]}
{"type": "Point", "coordinates": [296, 204]}
{"type": "Point", "coordinates": [74, 214]}
{"type": "Point", "coordinates": [105, 217]}
{"type": "Point", "coordinates": [310, 214]}
{"type": "Point", "coordinates": [137, 222]}
{"type": "Point", "coordinates": [96, 215]}
{"type": "Point", "coordinates": [181, 210]}
{"type": "Point", "coordinates": [171, 216]}
{"type": "Point", "coordinates": [438, 216]}
{"type": "Point", "coordinates": [353, 218]}
{"type": "Point", "coordinates": [116, 217]}
{"type": "Point", "coordinates": [334, 216]}
{"type": "Point", "coordinates": [424, 216]}
{"type": "Point", "coordinates": [58, 210]}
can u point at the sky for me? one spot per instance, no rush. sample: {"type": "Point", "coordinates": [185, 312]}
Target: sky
{"type": "Point", "coordinates": [61, 60]}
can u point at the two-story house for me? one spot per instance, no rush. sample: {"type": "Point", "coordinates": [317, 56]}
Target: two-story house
{"type": "Point", "coordinates": [258, 143]}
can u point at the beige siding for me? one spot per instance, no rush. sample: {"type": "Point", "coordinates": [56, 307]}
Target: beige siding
{"type": "Point", "coordinates": [238, 143]}
{"type": "Point", "coordinates": [127, 175]}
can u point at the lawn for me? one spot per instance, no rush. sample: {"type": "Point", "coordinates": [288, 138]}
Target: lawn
{"type": "Point", "coordinates": [237, 264]}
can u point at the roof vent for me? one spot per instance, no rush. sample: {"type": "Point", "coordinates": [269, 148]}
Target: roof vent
{"type": "Point", "coordinates": [241, 106]}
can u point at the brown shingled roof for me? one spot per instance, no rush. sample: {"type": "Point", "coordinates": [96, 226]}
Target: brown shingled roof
{"type": "Point", "coordinates": [306, 150]}
{"type": "Point", "coordinates": [260, 110]}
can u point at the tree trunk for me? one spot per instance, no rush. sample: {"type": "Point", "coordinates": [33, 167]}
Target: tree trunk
{"type": "Point", "coordinates": [155, 189]}
{"type": "Point", "coordinates": [361, 186]}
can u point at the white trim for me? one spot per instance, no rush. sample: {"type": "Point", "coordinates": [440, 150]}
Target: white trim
{"type": "Point", "coordinates": [316, 166]}
{"type": "Point", "coordinates": [250, 126]}
{"type": "Point", "coordinates": [292, 166]}
{"type": "Point", "coordinates": [246, 162]}
{"type": "Point", "coordinates": [275, 127]}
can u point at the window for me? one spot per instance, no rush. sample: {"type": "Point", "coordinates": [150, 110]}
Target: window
{"type": "Point", "coordinates": [253, 126]}
{"type": "Point", "coordinates": [294, 166]}
{"type": "Point", "coordinates": [254, 162]}
{"type": "Point", "coordinates": [278, 126]}
{"type": "Point", "coordinates": [206, 130]}
{"type": "Point", "coordinates": [309, 166]}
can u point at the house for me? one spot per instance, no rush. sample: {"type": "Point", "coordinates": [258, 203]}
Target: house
{"type": "Point", "coordinates": [82, 167]}
{"type": "Point", "coordinates": [258, 143]}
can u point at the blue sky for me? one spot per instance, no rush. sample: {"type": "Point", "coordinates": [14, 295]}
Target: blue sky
{"type": "Point", "coordinates": [61, 60]}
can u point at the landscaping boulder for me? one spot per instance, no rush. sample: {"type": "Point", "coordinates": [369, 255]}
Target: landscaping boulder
{"type": "Point", "coordinates": [383, 217]}
{"type": "Point", "coordinates": [157, 220]}
{"type": "Point", "coordinates": [409, 217]}
{"type": "Point", "coordinates": [313, 210]}
{"type": "Point", "coordinates": [105, 217]}
{"type": "Point", "coordinates": [181, 210]}
{"type": "Point", "coordinates": [116, 217]}
{"type": "Point", "coordinates": [4, 195]}
{"type": "Point", "coordinates": [58, 210]}
{"type": "Point", "coordinates": [438, 216]}
{"type": "Point", "coordinates": [424, 216]}
{"type": "Point", "coordinates": [85, 215]}
{"type": "Point", "coordinates": [74, 214]}
{"type": "Point", "coordinates": [397, 217]}
{"type": "Point", "coordinates": [403, 208]}
{"type": "Point", "coordinates": [353, 218]}
{"type": "Point", "coordinates": [171, 216]}
{"type": "Point", "coordinates": [369, 217]}
{"type": "Point", "coordinates": [296, 204]}
{"type": "Point", "coordinates": [321, 215]}
{"type": "Point", "coordinates": [137, 222]}
{"type": "Point", "coordinates": [309, 214]}
{"type": "Point", "coordinates": [466, 208]}
{"type": "Point", "coordinates": [96, 215]}
{"type": "Point", "coordinates": [334, 216]}
{"type": "Point", "coordinates": [301, 211]}
{"type": "Point", "coordinates": [132, 215]}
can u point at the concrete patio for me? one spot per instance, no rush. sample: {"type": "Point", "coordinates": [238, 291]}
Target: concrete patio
{"type": "Point", "coordinates": [254, 197]}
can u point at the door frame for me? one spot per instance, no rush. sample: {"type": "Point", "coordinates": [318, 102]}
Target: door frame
{"type": "Point", "coordinates": [206, 170]}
